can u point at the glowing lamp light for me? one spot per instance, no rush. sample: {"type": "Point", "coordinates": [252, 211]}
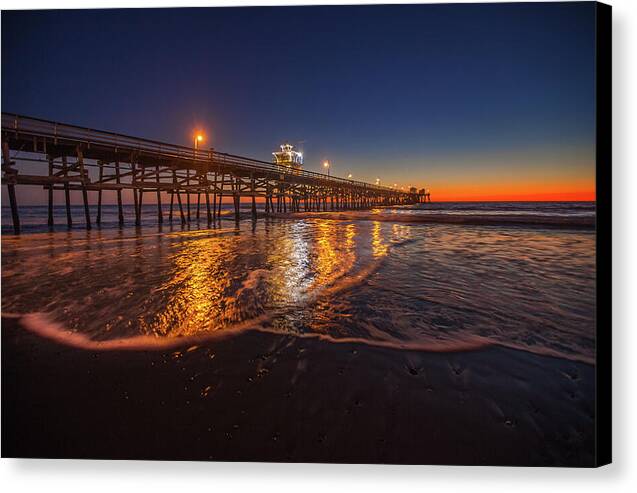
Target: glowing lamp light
{"type": "Point", "coordinates": [349, 176]}
{"type": "Point", "coordinates": [198, 139]}
{"type": "Point", "coordinates": [326, 164]}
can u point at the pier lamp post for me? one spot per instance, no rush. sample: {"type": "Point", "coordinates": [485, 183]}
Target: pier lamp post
{"type": "Point", "coordinates": [326, 164]}
{"type": "Point", "coordinates": [378, 181]}
{"type": "Point", "coordinates": [198, 139]}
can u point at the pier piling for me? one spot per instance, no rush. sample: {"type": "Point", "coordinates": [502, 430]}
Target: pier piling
{"type": "Point", "coordinates": [50, 211]}
{"type": "Point", "coordinates": [160, 215]}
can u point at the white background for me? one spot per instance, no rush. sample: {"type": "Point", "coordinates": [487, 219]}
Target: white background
{"type": "Point", "coordinates": [104, 476]}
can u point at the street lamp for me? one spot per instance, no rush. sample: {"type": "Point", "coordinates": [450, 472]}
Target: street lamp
{"type": "Point", "coordinates": [326, 164]}
{"type": "Point", "coordinates": [198, 139]}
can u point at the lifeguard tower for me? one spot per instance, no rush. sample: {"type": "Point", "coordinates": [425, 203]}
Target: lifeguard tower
{"type": "Point", "coordinates": [287, 156]}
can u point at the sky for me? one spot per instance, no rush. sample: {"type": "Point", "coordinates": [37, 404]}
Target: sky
{"type": "Point", "coordinates": [474, 102]}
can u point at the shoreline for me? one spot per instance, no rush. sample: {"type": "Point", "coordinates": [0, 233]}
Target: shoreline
{"type": "Point", "coordinates": [498, 220]}
{"type": "Point", "coordinates": [517, 220]}
{"type": "Point", "coordinates": [252, 396]}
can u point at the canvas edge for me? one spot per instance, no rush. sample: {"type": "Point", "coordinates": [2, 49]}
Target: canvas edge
{"type": "Point", "coordinates": [603, 158]}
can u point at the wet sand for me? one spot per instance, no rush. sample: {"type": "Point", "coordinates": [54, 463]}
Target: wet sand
{"type": "Point", "coordinates": [256, 396]}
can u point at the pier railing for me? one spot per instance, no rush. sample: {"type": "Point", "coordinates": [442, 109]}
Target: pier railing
{"type": "Point", "coordinates": [88, 136]}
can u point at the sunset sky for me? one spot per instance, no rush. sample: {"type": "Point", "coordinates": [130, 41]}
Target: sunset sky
{"type": "Point", "coordinates": [474, 102]}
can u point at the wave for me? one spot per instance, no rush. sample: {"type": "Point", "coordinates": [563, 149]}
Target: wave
{"type": "Point", "coordinates": [41, 325]}
{"type": "Point", "coordinates": [528, 220]}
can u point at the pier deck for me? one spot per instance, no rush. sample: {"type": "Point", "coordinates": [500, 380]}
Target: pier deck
{"type": "Point", "coordinates": [68, 157]}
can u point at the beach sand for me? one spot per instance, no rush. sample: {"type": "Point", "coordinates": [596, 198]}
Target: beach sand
{"type": "Point", "coordinates": [256, 396]}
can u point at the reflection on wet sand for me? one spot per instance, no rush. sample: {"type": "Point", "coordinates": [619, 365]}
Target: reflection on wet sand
{"type": "Point", "coordinates": [370, 280]}
{"type": "Point", "coordinates": [378, 245]}
{"type": "Point", "coordinates": [288, 261]}
{"type": "Point", "coordinates": [176, 284]}
{"type": "Point", "coordinates": [334, 257]}
{"type": "Point", "coordinates": [194, 296]}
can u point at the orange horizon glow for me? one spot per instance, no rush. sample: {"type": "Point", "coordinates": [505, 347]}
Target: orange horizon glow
{"type": "Point", "coordinates": [537, 173]}
{"type": "Point", "coordinates": [529, 190]}
{"type": "Point", "coordinates": [579, 196]}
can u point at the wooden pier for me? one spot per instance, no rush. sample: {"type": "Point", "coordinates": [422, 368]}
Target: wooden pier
{"type": "Point", "coordinates": [62, 156]}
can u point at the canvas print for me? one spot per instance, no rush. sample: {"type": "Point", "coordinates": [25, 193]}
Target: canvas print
{"type": "Point", "coordinates": [350, 234]}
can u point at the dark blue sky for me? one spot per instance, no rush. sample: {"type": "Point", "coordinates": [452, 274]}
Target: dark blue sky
{"type": "Point", "coordinates": [423, 93]}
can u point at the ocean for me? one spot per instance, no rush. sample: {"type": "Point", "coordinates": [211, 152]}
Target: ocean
{"type": "Point", "coordinates": [522, 276]}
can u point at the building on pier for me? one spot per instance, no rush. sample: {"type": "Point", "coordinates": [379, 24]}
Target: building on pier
{"type": "Point", "coordinates": [287, 156]}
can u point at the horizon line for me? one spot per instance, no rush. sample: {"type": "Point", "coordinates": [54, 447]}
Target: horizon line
{"type": "Point", "coordinates": [80, 204]}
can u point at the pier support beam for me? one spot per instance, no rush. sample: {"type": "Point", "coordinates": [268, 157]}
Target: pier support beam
{"type": "Point", "coordinates": [84, 178]}
{"type": "Point", "coordinates": [220, 197]}
{"type": "Point", "coordinates": [14, 208]}
{"type": "Point", "coordinates": [254, 200]}
{"type": "Point", "coordinates": [208, 212]}
{"type": "Point", "coordinates": [98, 219]}
{"type": "Point", "coordinates": [67, 192]}
{"type": "Point", "coordinates": [135, 199]}
{"type": "Point", "coordinates": [50, 220]}
{"type": "Point", "coordinates": [188, 193]}
{"type": "Point", "coordinates": [214, 198]}
{"type": "Point", "coordinates": [237, 199]}
{"type": "Point", "coordinates": [176, 191]}
{"type": "Point", "coordinates": [10, 176]}
{"type": "Point", "coordinates": [141, 199]}
{"type": "Point", "coordinates": [160, 215]}
{"type": "Point", "coordinates": [120, 210]}
{"type": "Point", "coordinates": [181, 208]}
